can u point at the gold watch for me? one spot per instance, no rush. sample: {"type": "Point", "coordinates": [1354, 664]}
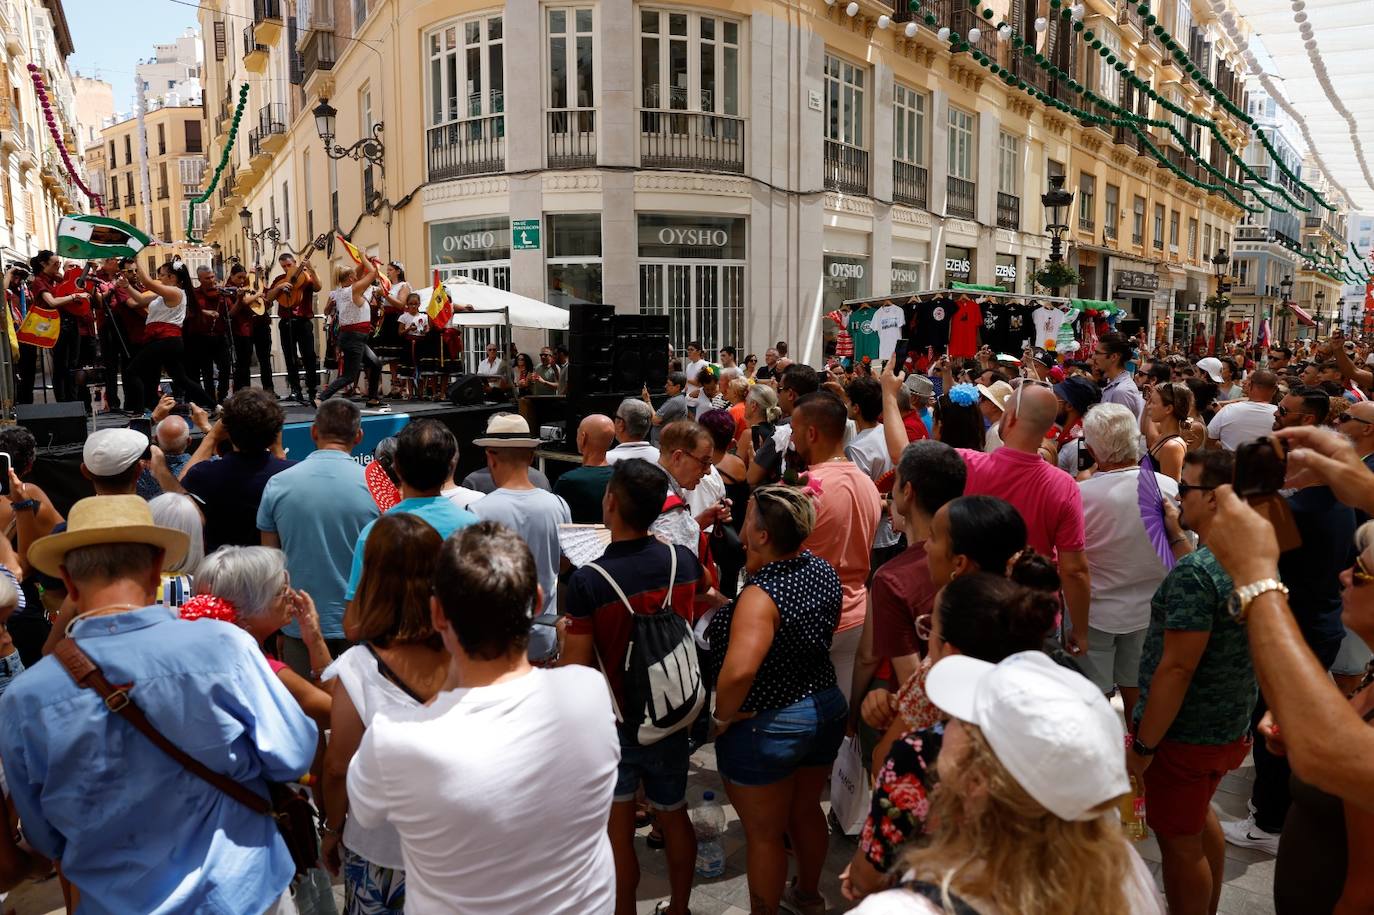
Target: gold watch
{"type": "Point", "coordinates": [1238, 604]}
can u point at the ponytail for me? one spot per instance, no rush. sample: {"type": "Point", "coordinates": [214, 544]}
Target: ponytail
{"type": "Point", "coordinates": [990, 617]}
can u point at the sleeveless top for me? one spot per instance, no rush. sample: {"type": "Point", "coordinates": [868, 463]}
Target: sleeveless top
{"type": "Point", "coordinates": [164, 321]}
{"type": "Point", "coordinates": [807, 593]}
{"type": "Point", "coordinates": [349, 313]}
{"type": "Point", "coordinates": [1154, 461]}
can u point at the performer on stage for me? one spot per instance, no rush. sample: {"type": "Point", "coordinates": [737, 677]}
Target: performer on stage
{"type": "Point", "coordinates": [207, 335]}
{"type": "Point", "coordinates": [165, 301]}
{"type": "Point", "coordinates": [414, 327]}
{"type": "Point", "coordinates": [115, 351]}
{"type": "Point", "coordinates": [252, 330]}
{"type": "Point", "coordinates": [349, 301]}
{"type": "Point", "coordinates": [17, 298]}
{"type": "Point", "coordinates": [47, 274]}
{"type": "Point", "coordinates": [295, 303]}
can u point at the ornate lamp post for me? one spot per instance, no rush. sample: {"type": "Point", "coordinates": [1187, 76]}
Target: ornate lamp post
{"type": "Point", "coordinates": [256, 239]}
{"type": "Point", "coordinates": [1221, 300]}
{"type": "Point", "coordinates": [1056, 201]}
{"type": "Point", "coordinates": [1285, 297]}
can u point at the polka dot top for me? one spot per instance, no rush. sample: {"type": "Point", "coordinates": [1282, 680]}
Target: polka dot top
{"type": "Point", "coordinates": [807, 593]}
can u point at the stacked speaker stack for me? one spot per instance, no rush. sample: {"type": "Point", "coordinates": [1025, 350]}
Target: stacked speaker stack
{"type": "Point", "coordinates": [612, 356]}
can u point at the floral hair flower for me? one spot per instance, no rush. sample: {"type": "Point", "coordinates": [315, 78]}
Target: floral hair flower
{"type": "Point", "coordinates": [210, 607]}
{"type": "Point", "coordinates": [965, 395]}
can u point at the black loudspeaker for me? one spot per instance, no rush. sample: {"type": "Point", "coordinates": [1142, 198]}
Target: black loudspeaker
{"type": "Point", "coordinates": [589, 378]}
{"type": "Point", "coordinates": [587, 404]}
{"type": "Point", "coordinates": [589, 348]}
{"type": "Point", "coordinates": [54, 424]}
{"type": "Point", "coordinates": [590, 319]}
{"type": "Point", "coordinates": [654, 355]}
{"type": "Point", "coordinates": [1128, 327]}
{"type": "Point", "coordinates": [641, 360]}
{"type": "Point", "coordinates": [466, 390]}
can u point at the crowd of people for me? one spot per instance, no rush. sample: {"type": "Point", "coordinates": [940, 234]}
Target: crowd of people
{"type": "Point", "coordinates": [1030, 594]}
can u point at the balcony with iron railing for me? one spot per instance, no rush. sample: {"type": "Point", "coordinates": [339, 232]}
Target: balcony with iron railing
{"type": "Point", "coordinates": [163, 193]}
{"type": "Point", "coordinates": [695, 140]}
{"type": "Point", "coordinates": [317, 53]}
{"type": "Point", "coordinates": [959, 18]}
{"type": "Point", "coordinates": [254, 50]}
{"type": "Point", "coordinates": [1008, 211]}
{"type": "Point", "coordinates": [572, 137]}
{"type": "Point", "coordinates": [130, 199]}
{"type": "Point", "coordinates": [910, 184]}
{"type": "Point", "coordinates": [1028, 70]}
{"type": "Point", "coordinates": [267, 16]}
{"type": "Point", "coordinates": [475, 146]}
{"type": "Point", "coordinates": [845, 168]}
{"type": "Point", "coordinates": [960, 197]}
{"type": "Point", "coordinates": [1128, 13]}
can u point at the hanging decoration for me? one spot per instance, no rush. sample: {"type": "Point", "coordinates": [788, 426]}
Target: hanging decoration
{"type": "Point", "coordinates": [42, 92]}
{"type": "Point", "coordinates": [1228, 23]}
{"type": "Point", "coordinates": [219, 169]}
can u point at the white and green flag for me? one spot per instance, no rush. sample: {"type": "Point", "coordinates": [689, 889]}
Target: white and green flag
{"type": "Point", "coordinates": [87, 238]}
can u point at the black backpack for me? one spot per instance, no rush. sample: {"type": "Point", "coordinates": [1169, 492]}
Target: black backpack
{"type": "Point", "coordinates": [662, 683]}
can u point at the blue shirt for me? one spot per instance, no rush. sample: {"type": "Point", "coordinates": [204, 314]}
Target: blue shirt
{"type": "Point", "coordinates": [438, 511]}
{"type": "Point", "coordinates": [135, 830]}
{"type": "Point", "coordinates": [318, 508]}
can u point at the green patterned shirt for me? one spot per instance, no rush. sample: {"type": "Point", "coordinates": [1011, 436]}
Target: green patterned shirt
{"type": "Point", "coordinates": [1222, 694]}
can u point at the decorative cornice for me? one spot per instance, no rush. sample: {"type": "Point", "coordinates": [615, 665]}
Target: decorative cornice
{"type": "Point", "coordinates": [964, 75]}
{"type": "Point", "coordinates": [962, 226]}
{"type": "Point", "coordinates": [469, 187]}
{"type": "Point", "coordinates": [1090, 140]}
{"type": "Point", "coordinates": [1054, 124]}
{"type": "Point", "coordinates": [910, 217]}
{"type": "Point", "coordinates": [1018, 104]}
{"type": "Point", "coordinates": [843, 203]}
{"type": "Point", "coordinates": [718, 185]}
{"type": "Point", "coordinates": [571, 181]}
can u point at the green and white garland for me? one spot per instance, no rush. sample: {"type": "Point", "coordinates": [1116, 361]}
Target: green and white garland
{"type": "Point", "coordinates": [219, 169]}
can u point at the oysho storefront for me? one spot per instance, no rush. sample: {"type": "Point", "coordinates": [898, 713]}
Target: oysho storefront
{"type": "Point", "coordinates": [692, 268]}
{"type": "Point", "coordinates": [477, 248]}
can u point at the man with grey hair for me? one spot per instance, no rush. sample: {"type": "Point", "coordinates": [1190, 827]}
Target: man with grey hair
{"type": "Point", "coordinates": [1125, 570]}
{"type": "Point", "coordinates": [633, 420]}
{"type": "Point", "coordinates": [155, 840]}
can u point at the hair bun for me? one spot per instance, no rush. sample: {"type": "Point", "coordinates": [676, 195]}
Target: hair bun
{"type": "Point", "coordinates": [1032, 570]}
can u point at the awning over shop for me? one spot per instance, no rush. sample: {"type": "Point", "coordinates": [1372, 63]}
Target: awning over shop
{"type": "Point", "coordinates": [1303, 316]}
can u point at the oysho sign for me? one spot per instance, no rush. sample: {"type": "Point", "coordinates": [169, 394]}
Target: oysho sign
{"type": "Point", "coordinates": [841, 271]}
{"type": "Point", "coordinates": [468, 241]}
{"type": "Point", "coordinates": [693, 236]}
{"type": "Point", "coordinates": [906, 275]}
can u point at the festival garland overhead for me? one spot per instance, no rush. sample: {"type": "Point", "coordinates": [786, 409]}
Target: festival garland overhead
{"type": "Point", "coordinates": [41, 90]}
{"type": "Point", "coordinates": [219, 169]}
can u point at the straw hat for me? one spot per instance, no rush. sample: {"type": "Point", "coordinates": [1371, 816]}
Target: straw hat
{"type": "Point", "coordinates": [997, 392]}
{"type": "Point", "coordinates": [507, 430]}
{"type": "Point", "coordinates": [106, 519]}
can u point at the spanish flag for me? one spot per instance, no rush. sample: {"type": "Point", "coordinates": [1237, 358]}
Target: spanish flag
{"type": "Point", "coordinates": [352, 251]}
{"type": "Point", "coordinates": [358, 258]}
{"type": "Point", "coordinates": [440, 305]}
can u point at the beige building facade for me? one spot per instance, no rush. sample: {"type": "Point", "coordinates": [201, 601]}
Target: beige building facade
{"type": "Point", "coordinates": [740, 166]}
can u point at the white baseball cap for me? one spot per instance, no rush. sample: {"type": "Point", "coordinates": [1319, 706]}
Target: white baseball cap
{"type": "Point", "coordinates": [1050, 727]}
{"type": "Point", "coordinates": [110, 452]}
{"type": "Point", "coordinates": [1212, 366]}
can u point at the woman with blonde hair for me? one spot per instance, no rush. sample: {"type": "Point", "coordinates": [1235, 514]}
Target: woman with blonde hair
{"type": "Point", "coordinates": [1166, 421]}
{"type": "Point", "coordinates": [1032, 769]}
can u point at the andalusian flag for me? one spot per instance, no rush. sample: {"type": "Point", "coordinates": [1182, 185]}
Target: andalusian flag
{"type": "Point", "coordinates": [359, 259]}
{"type": "Point", "coordinates": [89, 238]}
{"type": "Point", "coordinates": [440, 305]}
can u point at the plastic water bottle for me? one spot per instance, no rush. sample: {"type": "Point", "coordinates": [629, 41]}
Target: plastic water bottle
{"type": "Point", "coordinates": [708, 820]}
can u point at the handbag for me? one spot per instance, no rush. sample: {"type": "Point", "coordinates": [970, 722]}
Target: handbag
{"type": "Point", "coordinates": [289, 808]}
{"type": "Point", "coordinates": [850, 795]}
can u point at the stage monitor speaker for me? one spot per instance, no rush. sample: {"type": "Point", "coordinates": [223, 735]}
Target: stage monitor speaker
{"type": "Point", "coordinates": [587, 348]}
{"type": "Point", "coordinates": [54, 424]}
{"type": "Point", "coordinates": [586, 318]}
{"type": "Point", "coordinates": [641, 360]}
{"type": "Point", "coordinates": [590, 378]}
{"type": "Point", "coordinates": [466, 390]}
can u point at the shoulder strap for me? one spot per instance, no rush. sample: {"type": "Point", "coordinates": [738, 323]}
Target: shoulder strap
{"type": "Point", "coordinates": [385, 670]}
{"type": "Point", "coordinates": [117, 699]}
{"type": "Point", "coordinates": [933, 893]}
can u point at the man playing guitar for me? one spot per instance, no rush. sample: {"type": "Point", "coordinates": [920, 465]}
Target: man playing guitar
{"type": "Point", "coordinates": [293, 292]}
{"type": "Point", "coordinates": [207, 335]}
{"type": "Point", "coordinates": [252, 327]}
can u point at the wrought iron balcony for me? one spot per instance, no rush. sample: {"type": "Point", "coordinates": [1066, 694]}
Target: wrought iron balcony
{"type": "Point", "coordinates": [910, 184]}
{"type": "Point", "coordinates": [476, 146]}
{"type": "Point", "coordinates": [960, 197]}
{"type": "Point", "coordinates": [572, 137]}
{"type": "Point", "coordinates": [1008, 211]}
{"type": "Point", "coordinates": [691, 139]}
{"type": "Point", "coordinates": [846, 168]}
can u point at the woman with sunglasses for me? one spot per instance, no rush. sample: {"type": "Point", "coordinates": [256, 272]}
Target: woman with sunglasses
{"type": "Point", "coordinates": [751, 367]}
{"type": "Point", "coordinates": [985, 615]}
{"type": "Point", "coordinates": [1323, 835]}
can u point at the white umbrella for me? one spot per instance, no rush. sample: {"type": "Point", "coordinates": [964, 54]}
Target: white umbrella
{"type": "Point", "coordinates": [490, 306]}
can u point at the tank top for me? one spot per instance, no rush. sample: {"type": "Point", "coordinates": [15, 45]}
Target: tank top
{"type": "Point", "coordinates": [165, 320]}
{"type": "Point", "coordinates": [1154, 461]}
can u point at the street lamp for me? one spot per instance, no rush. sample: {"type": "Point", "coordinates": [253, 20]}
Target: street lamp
{"type": "Point", "coordinates": [1285, 296]}
{"type": "Point", "coordinates": [1220, 262]}
{"type": "Point", "coordinates": [1320, 298]}
{"type": "Point", "coordinates": [1056, 202]}
{"type": "Point", "coordinates": [269, 233]}
{"type": "Point", "coordinates": [369, 148]}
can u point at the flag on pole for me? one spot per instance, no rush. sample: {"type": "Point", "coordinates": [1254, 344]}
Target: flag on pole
{"type": "Point", "coordinates": [87, 238]}
{"type": "Point", "coordinates": [440, 305]}
{"type": "Point", "coordinates": [360, 259]}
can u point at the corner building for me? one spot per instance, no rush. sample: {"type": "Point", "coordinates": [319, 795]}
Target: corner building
{"type": "Point", "coordinates": [742, 167]}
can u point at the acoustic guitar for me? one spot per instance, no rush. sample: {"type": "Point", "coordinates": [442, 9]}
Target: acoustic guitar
{"type": "Point", "coordinates": [292, 300]}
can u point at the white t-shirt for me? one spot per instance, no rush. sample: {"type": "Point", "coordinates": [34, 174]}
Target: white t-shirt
{"type": "Point", "coordinates": [348, 312]}
{"type": "Point", "coordinates": [1241, 422]}
{"type": "Point", "coordinates": [1047, 322]}
{"type": "Point", "coordinates": [868, 451]}
{"type": "Point", "coordinates": [694, 369]}
{"type": "Point", "coordinates": [1141, 894]}
{"type": "Point", "coordinates": [1124, 569]}
{"type": "Point", "coordinates": [159, 312]}
{"type": "Point", "coordinates": [370, 693]}
{"type": "Point", "coordinates": [461, 496]}
{"type": "Point", "coordinates": [889, 320]}
{"type": "Point", "coordinates": [499, 794]}
{"type": "Point", "coordinates": [709, 490]}
{"type": "Point", "coordinates": [416, 324]}
{"type": "Point", "coordinates": [491, 367]}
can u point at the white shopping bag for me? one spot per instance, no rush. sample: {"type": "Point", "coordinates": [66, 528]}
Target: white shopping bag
{"type": "Point", "coordinates": [849, 791]}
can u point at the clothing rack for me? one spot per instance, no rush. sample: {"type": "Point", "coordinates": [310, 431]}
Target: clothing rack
{"type": "Point", "coordinates": [908, 297]}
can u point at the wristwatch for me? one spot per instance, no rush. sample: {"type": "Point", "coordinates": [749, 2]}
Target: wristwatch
{"type": "Point", "coordinates": [25, 505]}
{"type": "Point", "coordinates": [1139, 748]}
{"type": "Point", "coordinates": [1239, 601]}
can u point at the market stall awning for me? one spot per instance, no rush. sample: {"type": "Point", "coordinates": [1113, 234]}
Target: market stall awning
{"type": "Point", "coordinates": [1303, 316]}
{"type": "Point", "coordinates": [489, 303]}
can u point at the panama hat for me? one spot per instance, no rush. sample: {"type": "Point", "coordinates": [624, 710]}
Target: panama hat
{"type": "Point", "coordinates": [507, 430]}
{"type": "Point", "coordinates": [106, 519]}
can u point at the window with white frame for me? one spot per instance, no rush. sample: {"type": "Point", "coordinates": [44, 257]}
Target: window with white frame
{"type": "Point", "coordinates": [1192, 239]}
{"type": "Point", "coordinates": [1087, 201]}
{"type": "Point", "coordinates": [689, 62]}
{"type": "Point", "coordinates": [1008, 162]}
{"type": "Point", "coordinates": [1112, 202]}
{"type": "Point", "coordinates": [359, 15]}
{"type": "Point", "coordinates": [909, 125]}
{"type": "Point", "coordinates": [570, 39]}
{"type": "Point", "coordinates": [845, 84]}
{"type": "Point", "coordinates": [963, 144]}
{"type": "Point", "coordinates": [1183, 20]}
{"type": "Point", "coordinates": [1108, 79]}
{"type": "Point", "coordinates": [1173, 231]}
{"type": "Point", "coordinates": [466, 70]}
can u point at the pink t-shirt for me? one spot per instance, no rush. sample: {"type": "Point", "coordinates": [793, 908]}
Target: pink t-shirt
{"type": "Point", "coordinates": [847, 513]}
{"type": "Point", "coordinates": [275, 666]}
{"type": "Point", "coordinates": [1046, 496]}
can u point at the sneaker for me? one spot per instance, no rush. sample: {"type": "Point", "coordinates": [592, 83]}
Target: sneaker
{"type": "Point", "coordinates": [288, 396]}
{"type": "Point", "coordinates": [1245, 834]}
{"type": "Point", "coordinates": [794, 903]}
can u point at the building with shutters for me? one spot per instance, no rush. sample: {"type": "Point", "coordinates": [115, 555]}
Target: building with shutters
{"type": "Point", "coordinates": [740, 166]}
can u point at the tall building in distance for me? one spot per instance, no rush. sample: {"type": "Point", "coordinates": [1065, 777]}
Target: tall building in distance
{"type": "Point", "coordinates": [95, 107]}
{"type": "Point", "coordinates": [742, 169]}
{"type": "Point", "coordinates": [172, 75]}
{"type": "Point", "coordinates": [1360, 233]}
{"type": "Point", "coordinates": [1317, 297]}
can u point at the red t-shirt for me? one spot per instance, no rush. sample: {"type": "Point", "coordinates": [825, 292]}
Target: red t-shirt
{"type": "Point", "coordinates": [963, 328]}
{"type": "Point", "coordinates": [915, 427]}
{"type": "Point", "coordinates": [1047, 497]}
{"type": "Point", "coordinates": [900, 592]}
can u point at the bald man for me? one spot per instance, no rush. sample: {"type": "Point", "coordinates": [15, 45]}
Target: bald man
{"type": "Point", "coordinates": [583, 487]}
{"type": "Point", "coordinates": [1046, 496]}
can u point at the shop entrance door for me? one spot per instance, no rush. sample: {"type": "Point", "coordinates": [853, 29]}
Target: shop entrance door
{"type": "Point", "coordinates": [703, 301]}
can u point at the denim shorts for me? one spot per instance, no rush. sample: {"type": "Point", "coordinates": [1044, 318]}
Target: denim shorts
{"type": "Point", "coordinates": [660, 767]}
{"type": "Point", "coordinates": [776, 743]}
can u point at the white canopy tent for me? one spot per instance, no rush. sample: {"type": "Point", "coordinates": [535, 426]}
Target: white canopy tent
{"type": "Point", "coordinates": [494, 306]}
{"type": "Point", "coordinates": [1313, 57]}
